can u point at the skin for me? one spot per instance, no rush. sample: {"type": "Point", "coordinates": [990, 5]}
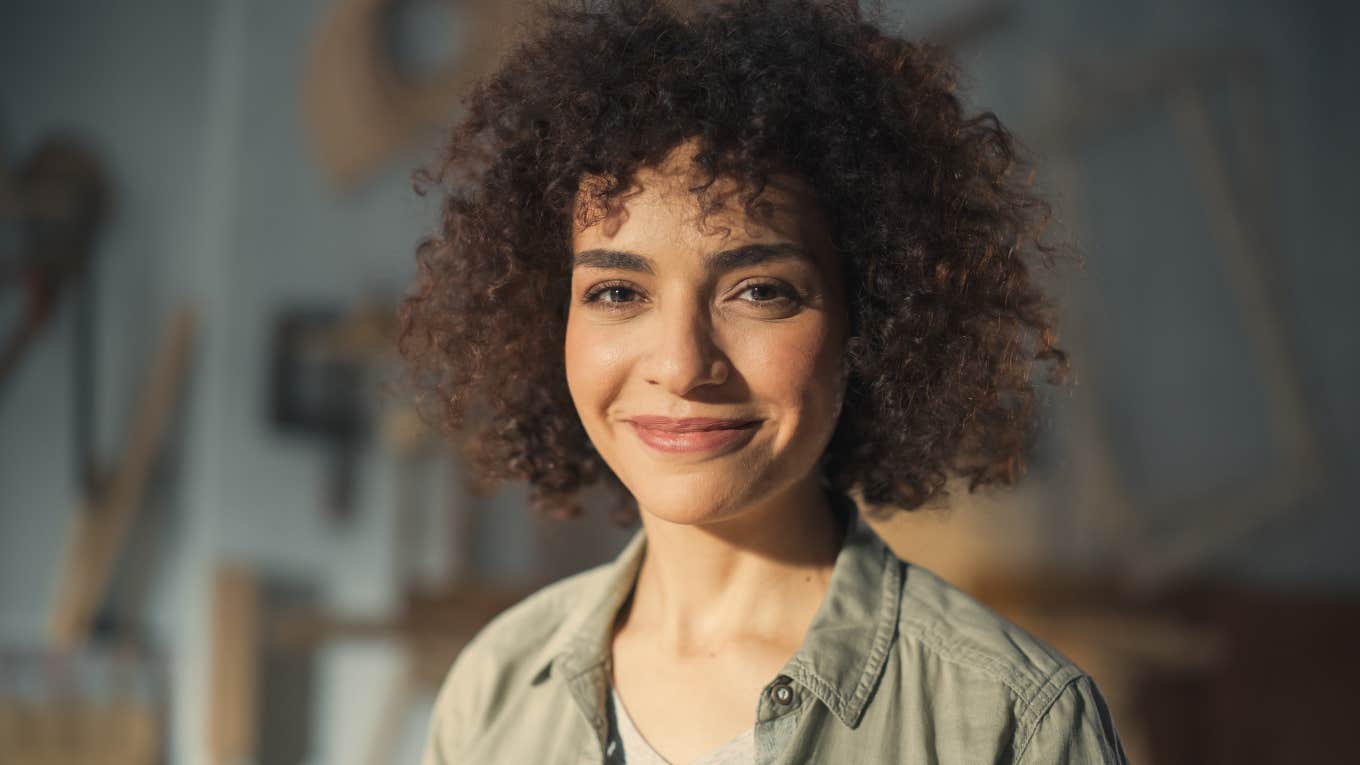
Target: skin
{"type": "Point", "coordinates": [741, 541]}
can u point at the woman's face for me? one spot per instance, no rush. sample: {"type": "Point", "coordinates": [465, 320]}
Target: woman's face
{"type": "Point", "coordinates": [706, 361]}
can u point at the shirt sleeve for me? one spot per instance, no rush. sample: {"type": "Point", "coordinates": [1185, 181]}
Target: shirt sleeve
{"type": "Point", "coordinates": [1076, 728]}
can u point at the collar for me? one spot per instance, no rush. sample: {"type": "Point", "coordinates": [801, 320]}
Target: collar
{"type": "Point", "coordinates": [840, 660]}
{"type": "Point", "coordinates": [847, 644]}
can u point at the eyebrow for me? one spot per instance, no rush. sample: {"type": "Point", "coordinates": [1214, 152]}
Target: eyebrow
{"type": "Point", "coordinates": [725, 260]}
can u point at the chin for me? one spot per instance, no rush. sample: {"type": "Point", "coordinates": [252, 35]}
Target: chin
{"type": "Point", "coordinates": [694, 499]}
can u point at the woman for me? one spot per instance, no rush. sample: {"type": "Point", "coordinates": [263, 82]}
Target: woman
{"type": "Point", "coordinates": [747, 268]}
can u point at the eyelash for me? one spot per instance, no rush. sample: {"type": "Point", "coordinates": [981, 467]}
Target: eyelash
{"type": "Point", "coordinates": [595, 293]}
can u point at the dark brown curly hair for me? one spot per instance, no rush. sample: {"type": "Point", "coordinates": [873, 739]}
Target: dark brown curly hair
{"type": "Point", "coordinates": [931, 211]}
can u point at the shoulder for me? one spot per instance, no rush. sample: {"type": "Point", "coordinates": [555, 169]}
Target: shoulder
{"type": "Point", "coordinates": [981, 660]}
{"type": "Point", "coordinates": [505, 655]}
{"type": "Point", "coordinates": [949, 625]}
{"type": "Point", "coordinates": [526, 630]}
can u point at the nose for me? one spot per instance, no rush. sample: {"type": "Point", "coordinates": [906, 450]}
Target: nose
{"type": "Point", "coordinates": [685, 355]}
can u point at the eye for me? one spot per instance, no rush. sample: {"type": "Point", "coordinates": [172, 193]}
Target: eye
{"type": "Point", "coordinates": [611, 294]}
{"type": "Point", "coordinates": [773, 293]}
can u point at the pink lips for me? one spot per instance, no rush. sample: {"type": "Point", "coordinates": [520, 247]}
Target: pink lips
{"type": "Point", "coordinates": [692, 434]}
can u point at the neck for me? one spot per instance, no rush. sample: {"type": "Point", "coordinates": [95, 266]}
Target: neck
{"type": "Point", "coordinates": [760, 575]}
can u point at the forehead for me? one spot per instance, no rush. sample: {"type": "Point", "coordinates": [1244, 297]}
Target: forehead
{"type": "Point", "coordinates": [658, 208]}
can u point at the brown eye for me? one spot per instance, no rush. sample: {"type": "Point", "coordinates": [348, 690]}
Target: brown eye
{"type": "Point", "coordinates": [762, 292]}
{"type": "Point", "coordinates": [769, 292]}
{"type": "Point", "coordinates": [611, 294]}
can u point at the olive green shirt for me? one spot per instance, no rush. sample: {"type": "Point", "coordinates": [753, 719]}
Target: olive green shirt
{"type": "Point", "coordinates": [897, 667]}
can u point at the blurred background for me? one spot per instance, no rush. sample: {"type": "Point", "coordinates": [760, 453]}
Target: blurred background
{"type": "Point", "coordinates": [224, 539]}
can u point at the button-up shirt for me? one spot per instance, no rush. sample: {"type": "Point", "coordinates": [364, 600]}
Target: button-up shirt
{"type": "Point", "coordinates": [897, 666]}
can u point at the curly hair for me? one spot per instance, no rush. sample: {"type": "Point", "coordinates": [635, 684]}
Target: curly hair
{"type": "Point", "coordinates": [931, 210]}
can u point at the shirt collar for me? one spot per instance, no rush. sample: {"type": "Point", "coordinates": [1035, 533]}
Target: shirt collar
{"type": "Point", "coordinates": [846, 646]}
{"type": "Point", "coordinates": [840, 660]}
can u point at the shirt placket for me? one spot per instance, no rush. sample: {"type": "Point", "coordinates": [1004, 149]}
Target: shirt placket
{"type": "Point", "coordinates": [777, 713]}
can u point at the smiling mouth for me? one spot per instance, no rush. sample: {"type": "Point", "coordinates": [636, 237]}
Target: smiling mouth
{"type": "Point", "coordinates": [694, 435]}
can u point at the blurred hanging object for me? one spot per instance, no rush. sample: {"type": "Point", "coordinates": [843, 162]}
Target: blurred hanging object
{"type": "Point", "coordinates": [102, 524]}
{"type": "Point", "coordinates": [363, 105]}
{"type": "Point", "coordinates": [59, 199]}
{"type": "Point", "coordinates": [317, 391]}
{"type": "Point", "coordinates": [323, 361]}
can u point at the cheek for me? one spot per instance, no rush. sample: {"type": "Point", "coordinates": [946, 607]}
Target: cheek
{"type": "Point", "coordinates": [798, 369]}
{"type": "Point", "coordinates": [594, 365]}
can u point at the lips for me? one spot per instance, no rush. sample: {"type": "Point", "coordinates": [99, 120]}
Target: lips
{"type": "Point", "coordinates": [692, 434]}
{"type": "Point", "coordinates": [688, 424]}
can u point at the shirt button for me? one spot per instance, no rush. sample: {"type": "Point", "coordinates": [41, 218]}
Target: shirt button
{"type": "Point", "coordinates": [781, 692]}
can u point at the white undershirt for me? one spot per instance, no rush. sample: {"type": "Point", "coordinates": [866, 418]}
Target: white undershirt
{"type": "Point", "coordinates": [636, 751]}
